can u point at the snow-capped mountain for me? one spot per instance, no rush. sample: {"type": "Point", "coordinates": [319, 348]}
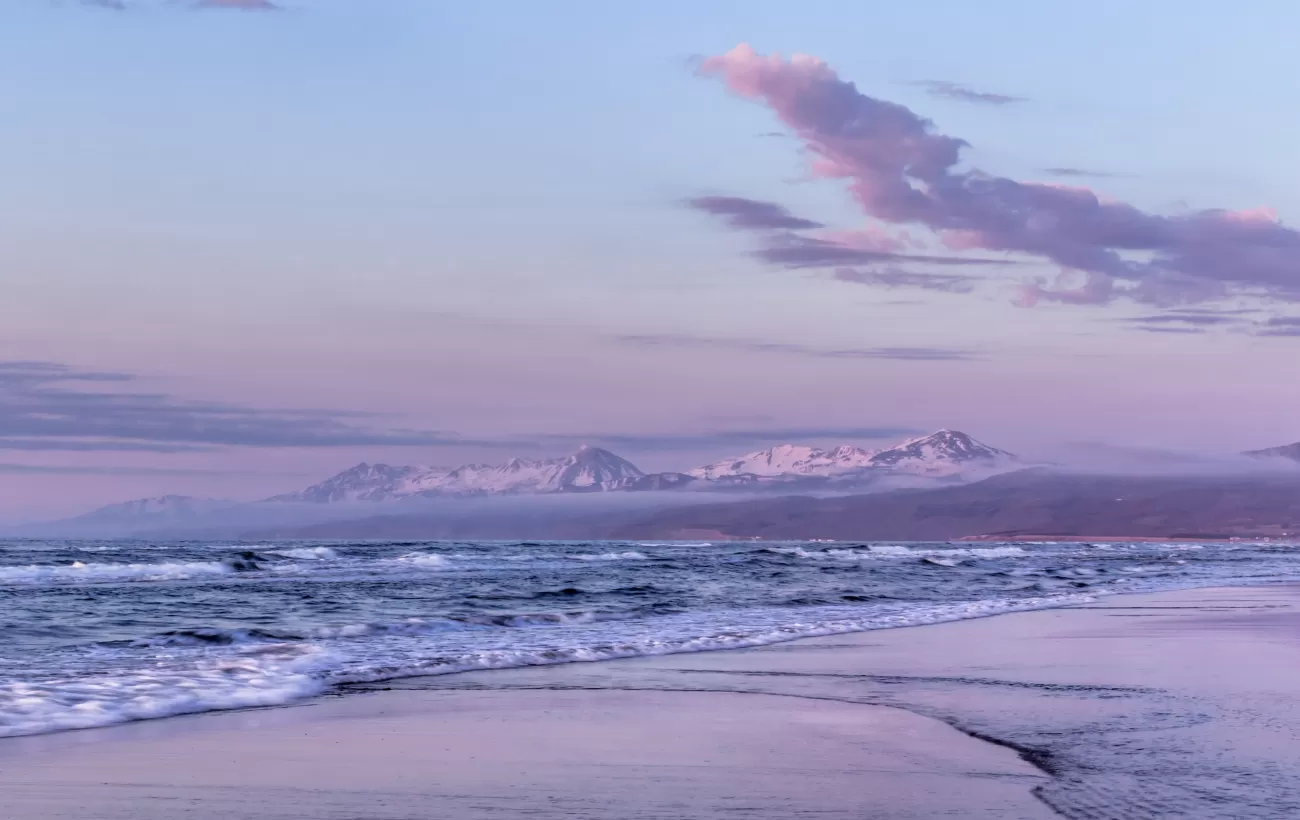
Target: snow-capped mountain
{"type": "Point", "coordinates": [787, 460]}
{"type": "Point", "coordinates": [591, 469]}
{"type": "Point", "coordinates": [364, 482]}
{"type": "Point", "coordinates": [945, 453]}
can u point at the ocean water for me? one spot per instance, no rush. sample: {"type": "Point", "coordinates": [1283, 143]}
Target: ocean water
{"type": "Point", "coordinates": [97, 633]}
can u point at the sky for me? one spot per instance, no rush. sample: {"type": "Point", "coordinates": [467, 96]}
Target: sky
{"type": "Point", "coordinates": [245, 244]}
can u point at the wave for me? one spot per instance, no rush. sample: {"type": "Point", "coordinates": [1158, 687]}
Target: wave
{"type": "Point", "coordinates": [611, 556]}
{"type": "Point", "coordinates": [266, 674]}
{"type": "Point", "coordinates": [263, 676]}
{"type": "Point", "coordinates": [423, 560]}
{"type": "Point", "coordinates": [307, 553]}
{"type": "Point", "coordinates": [896, 551]}
{"type": "Point", "coordinates": [80, 573]}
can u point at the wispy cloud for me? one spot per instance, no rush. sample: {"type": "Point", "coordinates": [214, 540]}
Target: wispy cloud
{"type": "Point", "coordinates": [46, 469]}
{"type": "Point", "coordinates": [738, 438]}
{"type": "Point", "coordinates": [947, 90]}
{"type": "Point", "coordinates": [751, 214]}
{"type": "Point", "coordinates": [902, 172]}
{"type": "Point", "coordinates": [237, 5]}
{"type": "Point", "coordinates": [1190, 320]}
{"type": "Point", "coordinates": [1279, 326]}
{"type": "Point", "coordinates": [51, 406]}
{"type": "Point", "coordinates": [865, 256]}
{"type": "Point", "coordinates": [916, 354]}
{"type": "Point", "coordinates": [1083, 172]}
{"type": "Point", "coordinates": [218, 5]}
{"type": "Point", "coordinates": [899, 278]}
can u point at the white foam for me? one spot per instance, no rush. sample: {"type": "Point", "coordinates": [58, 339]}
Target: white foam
{"type": "Point", "coordinates": [244, 676]}
{"type": "Point", "coordinates": [898, 551]}
{"type": "Point", "coordinates": [423, 560]}
{"type": "Point", "coordinates": [80, 573]}
{"type": "Point", "coordinates": [612, 556]}
{"type": "Point", "coordinates": [307, 553]}
{"type": "Point", "coordinates": [265, 676]}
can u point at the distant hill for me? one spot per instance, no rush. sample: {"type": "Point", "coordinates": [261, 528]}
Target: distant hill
{"type": "Point", "coordinates": [1025, 503]}
{"type": "Point", "coordinates": [1289, 452]}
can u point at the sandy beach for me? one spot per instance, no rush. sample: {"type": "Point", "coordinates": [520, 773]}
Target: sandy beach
{"type": "Point", "coordinates": [1148, 706]}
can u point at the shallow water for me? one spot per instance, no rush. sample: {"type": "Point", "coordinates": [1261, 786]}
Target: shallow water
{"type": "Point", "coordinates": [105, 632]}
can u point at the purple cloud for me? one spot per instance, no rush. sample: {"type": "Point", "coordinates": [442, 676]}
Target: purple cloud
{"type": "Point", "coordinates": [899, 278]}
{"type": "Point", "coordinates": [1280, 326]}
{"type": "Point", "coordinates": [751, 214]}
{"type": "Point", "coordinates": [915, 354]}
{"type": "Point", "coordinates": [902, 172]}
{"type": "Point", "coordinates": [1082, 172]}
{"type": "Point", "coordinates": [866, 256]}
{"type": "Point", "coordinates": [46, 406]}
{"type": "Point", "coordinates": [238, 5]}
{"type": "Point", "coordinates": [955, 91]}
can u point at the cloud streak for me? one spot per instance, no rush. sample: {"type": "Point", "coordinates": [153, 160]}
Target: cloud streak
{"type": "Point", "coordinates": [866, 256]}
{"type": "Point", "coordinates": [237, 5]}
{"type": "Point", "coordinates": [197, 5]}
{"type": "Point", "coordinates": [751, 214]}
{"type": "Point", "coordinates": [1083, 172]}
{"type": "Point", "coordinates": [738, 438]}
{"type": "Point", "coordinates": [51, 406]}
{"type": "Point", "coordinates": [943, 89]}
{"type": "Point", "coordinates": [901, 171]}
{"type": "Point", "coordinates": [913, 354]}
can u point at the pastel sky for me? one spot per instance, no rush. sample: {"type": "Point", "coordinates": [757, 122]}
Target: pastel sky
{"type": "Point", "coordinates": [247, 243]}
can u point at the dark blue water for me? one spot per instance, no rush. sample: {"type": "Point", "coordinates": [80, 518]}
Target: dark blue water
{"type": "Point", "coordinates": [97, 633]}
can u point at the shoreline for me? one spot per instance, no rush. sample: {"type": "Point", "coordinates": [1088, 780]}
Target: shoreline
{"type": "Point", "coordinates": [974, 708]}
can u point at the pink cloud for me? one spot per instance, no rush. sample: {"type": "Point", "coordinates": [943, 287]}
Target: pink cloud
{"type": "Point", "coordinates": [901, 171]}
{"type": "Point", "coordinates": [240, 5]}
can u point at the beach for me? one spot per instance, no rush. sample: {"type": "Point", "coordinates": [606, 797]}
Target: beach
{"type": "Point", "coordinates": [1174, 704]}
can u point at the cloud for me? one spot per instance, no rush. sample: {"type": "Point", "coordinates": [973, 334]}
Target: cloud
{"type": "Point", "coordinates": [238, 5]}
{"type": "Point", "coordinates": [899, 278]}
{"type": "Point", "coordinates": [1191, 320]}
{"type": "Point", "coordinates": [51, 406]}
{"type": "Point", "coordinates": [1280, 326]}
{"type": "Point", "coordinates": [230, 5]}
{"type": "Point", "coordinates": [903, 172]}
{"type": "Point", "coordinates": [46, 469]}
{"type": "Point", "coordinates": [1083, 172]}
{"type": "Point", "coordinates": [739, 438]}
{"type": "Point", "coordinates": [798, 251]}
{"type": "Point", "coordinates": [955, 91]}
{"type": "Point", "coordinates": [865, 256]}
{"type": "Point", "coordinates": [915, 354]}
{"type": "Point", "coordinates": [751, 214]}
{"type": "Point", "coordinates": [1198, 318]}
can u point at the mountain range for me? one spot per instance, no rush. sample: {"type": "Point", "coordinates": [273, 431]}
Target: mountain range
{"type": "Point", "coordinates": [862, 489]}
{"type": "Point", "coordinates": [946, 454]}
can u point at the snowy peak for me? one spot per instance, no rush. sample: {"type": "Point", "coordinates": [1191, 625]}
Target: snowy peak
{"type": "Point", "coordinates": [364, 482]}
{"type": "Point", "coordinates": [946, 455]}
{"type": "Point", "coordinates": [591, 469]}
{"type": "Point", "coordinates": [945, 452]}
{"type": "Point", "coordinates": [787, 459]}
{"type": "Point", "coordinates": [942, 454]}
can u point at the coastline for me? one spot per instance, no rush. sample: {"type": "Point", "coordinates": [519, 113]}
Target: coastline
{"type": "Point", "coordinates": [1035, 714]}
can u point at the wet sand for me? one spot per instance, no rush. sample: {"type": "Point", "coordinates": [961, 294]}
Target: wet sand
{"type": "Point", "coordinates": [1171, 705]}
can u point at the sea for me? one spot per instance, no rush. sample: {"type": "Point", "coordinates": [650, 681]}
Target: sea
{"type": "Point", "coordinates": [96, 633]}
